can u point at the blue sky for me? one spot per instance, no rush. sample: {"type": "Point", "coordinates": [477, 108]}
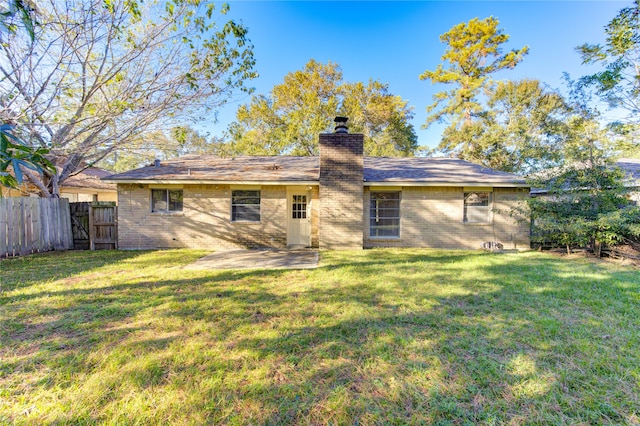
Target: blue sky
{"type": "Point", "coordinates": [395, 42]}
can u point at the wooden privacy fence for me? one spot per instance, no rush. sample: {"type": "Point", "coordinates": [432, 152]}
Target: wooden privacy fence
{"type": "Point", "coordinates": [30, 225]}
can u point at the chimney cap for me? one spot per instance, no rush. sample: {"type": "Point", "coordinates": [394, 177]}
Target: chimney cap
{"type": "Point", "coordinates": [341, 124]}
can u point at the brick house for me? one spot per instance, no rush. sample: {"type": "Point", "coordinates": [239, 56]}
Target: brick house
{"type": "Point", "coordinates": [339, 200]}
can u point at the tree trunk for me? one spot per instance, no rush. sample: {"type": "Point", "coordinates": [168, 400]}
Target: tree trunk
{"type": "Point", "coordinates": [597, 248]}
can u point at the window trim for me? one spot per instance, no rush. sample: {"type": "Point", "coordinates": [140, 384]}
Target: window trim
{"type": "Point", "coordinates": [398, 217]}
{"type": "Point", "coordinates": [166, 190]}
{"type": "Point", "coordinates": [489, 215]}
{"type": "Point", "coordinates": [231, 215]}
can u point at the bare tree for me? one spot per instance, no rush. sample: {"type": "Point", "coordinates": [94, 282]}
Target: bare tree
{"type": "Point", "coordinates": [101, 73]}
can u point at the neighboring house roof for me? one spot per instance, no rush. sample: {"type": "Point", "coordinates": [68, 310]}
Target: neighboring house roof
{"type": "Point", "coordinates": [306, 170]}
{"type": "Point", "coordinates": [90, 177]}
{"type": "Point", "coordinates": [88, 180]}
{"type": "Point", "coordinates": [632, 167]}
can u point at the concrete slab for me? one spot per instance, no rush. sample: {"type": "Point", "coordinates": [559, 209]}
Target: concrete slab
{"type": "Point", "coordinates": [258, 259]}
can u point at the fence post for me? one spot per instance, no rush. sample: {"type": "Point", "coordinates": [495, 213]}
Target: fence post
{"type": "Point", "coordinates": [4, 226]}
{"type": "Point", "coordinates": [115, 229]}
{"type": "Point", "coordinates": [17, 230]}
{"type": "Point", "coordinates": [27, 243]}
{"type": "Point", "coordinates": [92, 231]}
{"type": "Point", "coordinates": [66, 224]}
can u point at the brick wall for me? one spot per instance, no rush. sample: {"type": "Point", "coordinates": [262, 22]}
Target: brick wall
{"type": "Point", "coordinates": [430, 216]}
{"type": "Point", "coordinates": [341, 177]}
{"type": "Point", "coordinates": [433, 217]}
{"type": "Point", "coordinates": [205, 221]}
{"type": "Point", "coordinates": [315, 217]}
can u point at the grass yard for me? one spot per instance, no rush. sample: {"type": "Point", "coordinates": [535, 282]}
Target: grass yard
{"type": "Point", "coordinates": [370, 337]}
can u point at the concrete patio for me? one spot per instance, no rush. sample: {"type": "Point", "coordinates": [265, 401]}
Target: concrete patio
{"type": "Point", "coordinates": [258, 259]}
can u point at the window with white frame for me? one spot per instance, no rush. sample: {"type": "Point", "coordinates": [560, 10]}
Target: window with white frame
{"type": "Point", "coordinates": [245, 206]}
{"type": "Point", "coordinates": [477, 207]}
{"type": "Point", "coordinates": [166, 200]}
{"type": "Point", "coordinates": [384, 215]}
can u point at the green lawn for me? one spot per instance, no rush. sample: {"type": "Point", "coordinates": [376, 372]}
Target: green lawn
{"type": "Point", "coordinates": [370, 337]}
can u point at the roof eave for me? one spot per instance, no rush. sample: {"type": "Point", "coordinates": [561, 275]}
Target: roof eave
{"type": "Point", "coordinates": [447, 183]}
{"type": "Point", "coordinates": [314, 182]}
{"type": "Point", "coordinates": [211, 182]}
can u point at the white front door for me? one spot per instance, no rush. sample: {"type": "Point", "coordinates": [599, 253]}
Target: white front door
{"type": "Point", "coordinates": [299, 211]}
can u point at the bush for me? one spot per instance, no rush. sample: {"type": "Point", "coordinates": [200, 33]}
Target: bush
{"type": "Point", "coordinates": [586, 205]}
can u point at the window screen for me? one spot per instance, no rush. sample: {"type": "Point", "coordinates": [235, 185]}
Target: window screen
{"type": "Point", "coordinates": [384, 214]}
{"type": "Point", "coordinates": [477, 207]}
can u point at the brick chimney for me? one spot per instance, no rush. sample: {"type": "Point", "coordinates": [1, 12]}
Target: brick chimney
{"type": "Point", "coordinates": [341, 188]}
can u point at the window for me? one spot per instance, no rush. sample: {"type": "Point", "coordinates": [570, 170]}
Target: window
{"type": "Point", "coordinates": [245, 206]}
{"type": "Point", "coordinates": [384, 214]}
{"type": "Point", "coordinates": [166, 200]}
{"type": "Point", "coordinates": [477, 207]}
{"type": "Point", "coordinates": [299, 207]}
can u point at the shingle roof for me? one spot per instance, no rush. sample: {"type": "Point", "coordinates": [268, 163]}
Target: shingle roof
{"type": "Point", "coordinates": [631, 166]}
{"type": "Point", "coordinates": [433, 170]}
{"type": "Point", "coordinates": [212, 168]}
{"type": "Point", "coordinates": [207, 168]}
{"type": "Point", "coordinates": [90, 178]}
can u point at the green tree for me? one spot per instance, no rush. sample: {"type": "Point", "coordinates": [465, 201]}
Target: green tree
{"type": "Point", "coordinates": [15, 157]}
{"type": "Point", "coordinates": [101, 73]}
{"type": "Point", "coordinates": [162, 145]}
{"type": "Point", "coordinates": [618, 84]}
{"type": "Point", "coordinates": [522, 130]}
{"type": "Point", "coordinates": [18, 12]}
{"type": "Point", "coordinates": [381, 117]}
{"type": "Point", "coordinates": [586, 206]}
{"type": "Point", "coordinates": [588, 139]}
{"type": "Point", "coordinates": [587, 203]}
{"type": "Point", "coordinates": [289, 119]}
{"type": "Point", "coordinates": [472, 56]}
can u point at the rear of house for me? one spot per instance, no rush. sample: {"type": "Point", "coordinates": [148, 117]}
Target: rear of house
{"type": "Point", "coordinates": [339, 200]}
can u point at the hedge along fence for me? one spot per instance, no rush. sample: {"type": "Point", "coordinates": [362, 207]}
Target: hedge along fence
{"type": "Point", "coordinates": [30, 225]}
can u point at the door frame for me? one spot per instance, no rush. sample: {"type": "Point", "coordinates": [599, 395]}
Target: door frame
{"type": "Point", "coordinates": [298, 190]}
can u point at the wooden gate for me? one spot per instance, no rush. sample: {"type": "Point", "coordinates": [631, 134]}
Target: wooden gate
{"type": "Point", "coordinates": [95, 225]}
{"type": "Point", "coordinates": [80, 225]}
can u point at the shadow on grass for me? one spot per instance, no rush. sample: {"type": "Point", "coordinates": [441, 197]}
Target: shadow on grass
{"type": "Point", "coordinates": [381, 337]}
{"type": "Point", "coordinates": [41, 267]}
{"type": "Point", "coordinates": [472, 358]}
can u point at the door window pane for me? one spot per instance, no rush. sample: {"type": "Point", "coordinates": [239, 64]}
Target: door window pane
{"type": "Point", "coordinates": [299, 207]}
